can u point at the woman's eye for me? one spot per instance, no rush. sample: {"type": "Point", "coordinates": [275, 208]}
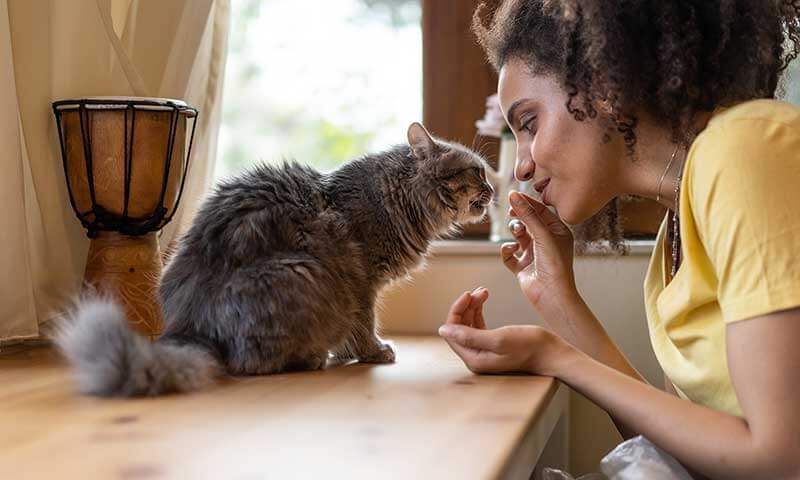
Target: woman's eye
{"type": "Point", "coordinates": [526, 125]}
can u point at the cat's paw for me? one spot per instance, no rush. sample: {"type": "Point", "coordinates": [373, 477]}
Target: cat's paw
{"type": "Point", "coordinates": [310, 362]}
{"type": "Point", "coordinates": [384, 354]}
{"type": "Point", "coordinates": [316, 362]}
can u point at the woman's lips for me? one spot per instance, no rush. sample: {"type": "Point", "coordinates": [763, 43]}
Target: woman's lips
{"type": "Point", "coordinates": [545, 198]}
{"type": "Point", "coordinates": [541, 184]}
{"type": "Point", "coordinates": [541, 187]}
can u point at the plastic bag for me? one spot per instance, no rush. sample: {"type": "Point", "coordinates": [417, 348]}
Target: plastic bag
{"type": "Point", "coordinates": [634, 459]}
{"type": "Point", "coordinates": [553, 474]}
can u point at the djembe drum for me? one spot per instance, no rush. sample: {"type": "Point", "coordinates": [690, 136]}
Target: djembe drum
{"type": "Point", "coordinates": [125, 161]}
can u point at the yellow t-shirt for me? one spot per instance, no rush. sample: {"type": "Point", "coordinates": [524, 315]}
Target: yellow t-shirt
{"type": "Point", "coordinates": [740, 232]}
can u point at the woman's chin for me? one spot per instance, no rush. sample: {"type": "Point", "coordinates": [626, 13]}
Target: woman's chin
{"type": "Point", "coordinates": [573, 216]}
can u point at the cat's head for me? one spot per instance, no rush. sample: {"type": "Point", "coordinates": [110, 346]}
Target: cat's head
{"type": "Point", "coordinates": [454, 177]}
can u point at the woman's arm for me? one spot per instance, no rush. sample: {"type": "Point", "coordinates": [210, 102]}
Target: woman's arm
{"type": "Point", "coordinates": [764, 363]}
{"type": "Point", "coordinates": [541, 258]}
{"type": "Point", "coordinates": [765, 368]}
{"type": "Point", "coordinates": [468, 310]}
{"type": "Point", "coordinates": [578, 325]}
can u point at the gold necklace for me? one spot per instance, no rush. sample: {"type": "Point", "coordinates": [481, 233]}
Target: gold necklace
{"type": "Point", "coordinates": [676, 229]}
{"type": "Point", "coordinates": [663, 175]}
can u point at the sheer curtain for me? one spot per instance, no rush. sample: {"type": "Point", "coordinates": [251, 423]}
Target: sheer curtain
{"type": "Point", "coordinates": [52, 50]}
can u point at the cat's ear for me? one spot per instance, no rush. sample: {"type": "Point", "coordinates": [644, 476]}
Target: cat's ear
{"type": "Point", "coordinates": [420, 140]}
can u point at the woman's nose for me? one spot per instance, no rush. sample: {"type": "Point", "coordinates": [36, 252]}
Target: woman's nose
{"type": "Point", "coordinates": [524, 170]}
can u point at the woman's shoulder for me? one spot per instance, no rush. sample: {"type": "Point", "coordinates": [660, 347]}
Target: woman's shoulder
{"type": "Point", "coordinates": [746, 137]}
{"type": "Point", "coordinates": [746, 114]}
{"type": "Point", "coordinates": [748, 153]}
{"type": "Point", "coordinates": [741, 199]}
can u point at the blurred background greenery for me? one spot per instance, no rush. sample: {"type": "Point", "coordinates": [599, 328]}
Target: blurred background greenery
{"type": "Point", "coordinates": [319, 81]}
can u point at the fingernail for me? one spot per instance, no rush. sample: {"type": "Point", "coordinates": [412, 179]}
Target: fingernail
{"type": "Point", "coordinates": [477, 289]}
{"type": "Point", "coordinates": [515, 197]}
{"type": "Point", "coordinates": [445, 331]}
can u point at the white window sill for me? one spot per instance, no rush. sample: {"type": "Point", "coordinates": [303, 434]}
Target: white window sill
{"type": "Point", "coordinates": [487, 248]}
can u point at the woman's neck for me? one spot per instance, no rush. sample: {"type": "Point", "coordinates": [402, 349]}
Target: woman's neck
{"type": "Point", "coordinates": [659, 161]}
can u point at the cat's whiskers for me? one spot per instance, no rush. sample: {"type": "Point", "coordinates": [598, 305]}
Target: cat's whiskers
{"type": "Point", "coordinates": [480, 146]}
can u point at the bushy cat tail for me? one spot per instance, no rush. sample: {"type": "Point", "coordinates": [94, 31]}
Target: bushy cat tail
{"type": "Point", "coordinates": [110, 360]}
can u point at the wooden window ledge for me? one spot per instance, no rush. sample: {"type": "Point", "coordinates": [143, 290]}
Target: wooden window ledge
{"type": "Point", "coordinates": [425, 416]}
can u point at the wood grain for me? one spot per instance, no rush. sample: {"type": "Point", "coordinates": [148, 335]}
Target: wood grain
{"type": "Point", "coordinates": [107, 130]}
{"type": "Point", "coordinates": [424, 417]}
{"type": "Point", "coordinates": [128, 269]}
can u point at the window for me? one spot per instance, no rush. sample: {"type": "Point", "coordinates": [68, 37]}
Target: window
{"type": "Point", "coordinates": [321, 85]}
{"type": "Point", "coordinates": [328, 84]}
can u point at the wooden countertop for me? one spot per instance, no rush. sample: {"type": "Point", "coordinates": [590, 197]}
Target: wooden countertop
{"type": "Point", "coordinates": [426, 416]}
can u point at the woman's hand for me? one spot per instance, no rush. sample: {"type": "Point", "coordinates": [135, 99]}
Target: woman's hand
{"type": "Point", "coordinates": [542, 255]}
{"type": "Point", "coordinates": [518, 348]}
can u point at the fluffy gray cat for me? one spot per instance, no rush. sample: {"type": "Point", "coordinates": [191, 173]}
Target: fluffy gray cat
{"type": "Point", "coordinates": [282, 267]}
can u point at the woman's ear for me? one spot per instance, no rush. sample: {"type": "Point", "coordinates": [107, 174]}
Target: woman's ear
{"type": "Point", "coordinates": [420, 141]}
{"type": "Point", "coordinates": [604, 107]}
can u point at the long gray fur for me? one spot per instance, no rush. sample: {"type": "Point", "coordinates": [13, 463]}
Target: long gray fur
{"type": "Point", "coordinates": [282, 267]}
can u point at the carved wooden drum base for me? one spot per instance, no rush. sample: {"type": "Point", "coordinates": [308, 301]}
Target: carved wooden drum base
{"type": "Point", "coordinates": [128, 269]}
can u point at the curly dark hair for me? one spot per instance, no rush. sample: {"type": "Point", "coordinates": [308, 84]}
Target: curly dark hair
{"type": "Point", "coordinates": [668, 58]}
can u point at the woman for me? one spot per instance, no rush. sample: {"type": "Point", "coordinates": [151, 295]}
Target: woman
{"type": "Point", "coordinates": [668, 100]}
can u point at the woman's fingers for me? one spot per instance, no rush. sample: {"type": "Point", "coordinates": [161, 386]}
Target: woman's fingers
{"type": "Point", "coordinates": [478, 361]}
{"type": "Point", "coordinates": [530, 217]}
{"type": "Point", "coordinates": [468, 309]}
{"type": "Point", "coordinates": [520, 233]}
{"type": "Point", "coordinates": [479, 297]}
{"type": "Point", "coordinates": [457, 309]}
{"type": "Point", "coordinates": [508, 255]}
{"type": "Point", "coordinates": [513, 262]}
{"type": "Point", "coordinates": [473, 315]}
{"type": "Point", "coordinates": [525, 240]}
{"type": "Point", "coordinates": [541, 224]}
{"type": "Point", "coordinates": [473, 338]}
{"type": "Point", "coordinates": [468, 318]}
{"type": "Point", "coordinates": [536, 216]}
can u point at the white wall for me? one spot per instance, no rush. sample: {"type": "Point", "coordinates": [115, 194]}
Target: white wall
{"type": "Point", "coordinates": [612, 286]}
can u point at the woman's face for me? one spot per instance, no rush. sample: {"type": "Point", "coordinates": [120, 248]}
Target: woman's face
{"type": "Point", "coordinates": [567, 161]}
